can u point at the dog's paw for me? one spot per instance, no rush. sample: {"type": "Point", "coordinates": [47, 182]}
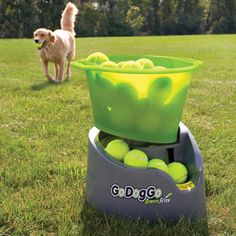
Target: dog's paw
{"type": "Point", "coordinates": [58, 81]}
{"type": "Point", "coordinates": [52, 81]}
{"type": "Point", "coordinates": [68, 75]}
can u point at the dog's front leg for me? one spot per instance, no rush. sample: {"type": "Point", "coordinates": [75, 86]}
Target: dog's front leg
{"type": "Point", "coordinates": [56, 71]}
{"type": "Point", "coordinates": [68, 73]}
{"type": "Point", "coordinates": [60, 71]}
{"type": "Point", "coordinates": [45, 66]}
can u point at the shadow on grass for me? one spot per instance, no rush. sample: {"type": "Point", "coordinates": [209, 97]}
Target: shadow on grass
{"type": "Point", "coordinates": [46, 84]}
{"type": "Point", "coordinates": [96, 222]}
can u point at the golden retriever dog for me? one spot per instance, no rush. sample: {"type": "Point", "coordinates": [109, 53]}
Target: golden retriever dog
{"type": "Point", "coordinates": [59, 45]}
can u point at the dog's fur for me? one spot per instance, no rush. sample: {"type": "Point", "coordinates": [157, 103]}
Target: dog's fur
{"type": "Point", "coordinates": [59, 45]}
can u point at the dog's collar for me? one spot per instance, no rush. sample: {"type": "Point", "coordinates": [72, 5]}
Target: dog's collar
{"type": "Point", "coordinates": [42, 46]}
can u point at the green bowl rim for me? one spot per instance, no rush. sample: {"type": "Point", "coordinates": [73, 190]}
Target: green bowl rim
{"type": "Point", "coordinates": [84, 65]}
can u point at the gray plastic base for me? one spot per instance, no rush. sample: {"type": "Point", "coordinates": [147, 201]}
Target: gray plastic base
{"type": "Point", "coordinates": [146, 193]}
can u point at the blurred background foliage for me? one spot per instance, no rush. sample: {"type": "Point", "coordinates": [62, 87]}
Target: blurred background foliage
{"type": "Point", "coordinates": [20, 18]}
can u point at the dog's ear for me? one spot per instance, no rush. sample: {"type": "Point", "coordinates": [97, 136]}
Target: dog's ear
{"type": "Point", "coordinates": [51, 36]}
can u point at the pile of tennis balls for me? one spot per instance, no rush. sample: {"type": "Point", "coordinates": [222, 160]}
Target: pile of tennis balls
{"type": "Point", "coordinates": [119, 150]}
{"type": "Point", "coordinates": [101, 59]}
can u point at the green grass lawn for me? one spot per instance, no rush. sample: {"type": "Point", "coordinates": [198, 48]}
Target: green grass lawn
{"type": "Point", "coordinates": [44, 128]}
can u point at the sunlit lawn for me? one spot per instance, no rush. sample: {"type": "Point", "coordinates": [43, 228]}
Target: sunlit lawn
{"type": "Point", "coordinates": [44, 127]}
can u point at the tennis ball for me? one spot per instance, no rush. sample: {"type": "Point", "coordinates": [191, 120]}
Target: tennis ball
{"type": "Point", "coordinates": [145, 63]}
{"type": "Point", "coordinates": [120, 63]}
{"type": "Point", "coordinates": [101, 90]}
{"type": "Point", "coordinates": [104, 142]}
{"type": "Point", "coordinates": [158, 164]}
{"type": "Point", "coordinates": [136, 158]}
{"type": "Point", "coordinates": [141, 107]}
{"type": "Point", "coordinates": [159, 90]}
{"type": "Point", "coordinates": [38, 45]}
{"type": "Point", "coordinates": [97, 58]}
{"type": "Point", "coordinates": [126, 93]}
{"type": "Point", "coordinates": [175, 106]}
{"type": "Point", "coordinates": [109, 64]}
{"type": "Point", "coordinates": [117, 149]}
{"type": "Point", "coordinates": [148, 123]}
{"type": "Point", "coordinates": [159, 68]}
{"type": "Point", "coordinates": [178, 172]}
{"type": "Point", "coordinates": [131, 65]}
{"type": "Point", "coordinates": [121, 115]}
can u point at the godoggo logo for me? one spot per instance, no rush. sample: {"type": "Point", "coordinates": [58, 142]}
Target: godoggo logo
{"type": "Point", "coordinates": [141, 195]}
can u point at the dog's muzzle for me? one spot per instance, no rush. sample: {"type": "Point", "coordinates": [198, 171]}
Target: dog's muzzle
{"type": "Point", "coordinates": [41, 44]}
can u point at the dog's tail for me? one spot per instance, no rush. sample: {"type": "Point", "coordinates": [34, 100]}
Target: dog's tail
{"type": "Point", "coordinates": [68, 17]}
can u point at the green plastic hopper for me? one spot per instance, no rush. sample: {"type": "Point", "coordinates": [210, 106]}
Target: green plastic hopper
{"type": "Point", "coordinates": [140, 104]}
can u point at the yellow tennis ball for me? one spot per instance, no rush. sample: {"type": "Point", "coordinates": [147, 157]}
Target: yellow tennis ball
{"type": "Point", "coordinates": [158, 164]}
{"type": "Point", "coordinates": [38, 45]}
{"type": "Point", "coordinates": [104, 142]}
{"type": "Point", "coordinates": [117, 149]}
{"type": "Point", "coordinates": [120, 64]}
{"type": "Point", "coordinates": [159, 68]}
{"type": "Point", "coordinates": [97, 58]}
{"type": "Point", "coordinates": [145, 63]}
{"type": "Point", "coordinates": [136, 158]}
{"type": "Point", "coordinates": [178, 172]}
{"type": "Point", "coordinates": [109, 64]}
{"type": "Point", "coordinates": [131, 65]}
